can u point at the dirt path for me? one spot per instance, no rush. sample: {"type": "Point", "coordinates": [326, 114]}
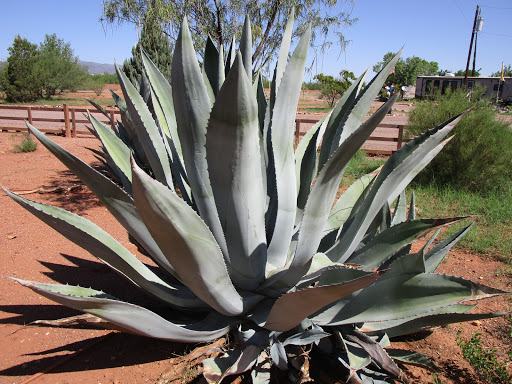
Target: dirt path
{"type": "Point", "coordinates": [33, 251]}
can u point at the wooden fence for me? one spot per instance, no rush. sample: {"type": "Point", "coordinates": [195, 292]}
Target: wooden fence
{"type": "Point", "coordinates": [70, 120]}
{"type": "Point", "coordinates": [385, 140]}
{"type": "Point", "coordinates": [72, 123]}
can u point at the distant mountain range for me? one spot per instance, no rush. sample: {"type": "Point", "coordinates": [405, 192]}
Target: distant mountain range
{"type": "Point", "coordinates": [93, 67]}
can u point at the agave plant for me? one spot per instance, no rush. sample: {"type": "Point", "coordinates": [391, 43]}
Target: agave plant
{"type": "Point", "coordinates": [247, 231]}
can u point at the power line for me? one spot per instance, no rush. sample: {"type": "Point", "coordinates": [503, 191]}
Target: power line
{"type": "Point", "coordinates": [490, 6]}
{"type": "Point", "coordinates": [495, 34]}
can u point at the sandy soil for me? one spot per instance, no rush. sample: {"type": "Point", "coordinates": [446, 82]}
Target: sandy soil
{"type": "Point", "coordinates": [33, 251]}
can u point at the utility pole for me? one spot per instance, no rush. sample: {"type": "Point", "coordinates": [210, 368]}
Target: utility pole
{"type": "Point", "coordinates": [471, 47]}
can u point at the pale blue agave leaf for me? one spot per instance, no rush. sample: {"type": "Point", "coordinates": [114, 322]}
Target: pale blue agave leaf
{"type": "Point", "coordinates": [211, 65]}
{"type": "Point", "coordinates": [323, 193]}
{"type": "Point", "coordinates": [234, 163]}
{"type": "Point", "coordinates": [400, 212]}
{"type": "Point", "coordinates": [395, 175]}
{"type": "Point", "coordinates": [343, 208]}
{"type": "Point", "coordinates": [103, 246]}
{"type": "Point", "coordinates": [436, 255]}
{"type": "Point", "coordinates": [412, 358]}
{"type": "Point", "coordinates": [209, 88]}
{"type": "Point", "coordinates": [306, 162]}
{"type": "Point", "coordinates": [278, 355]}
{"type": "Point", "coordinates": [412, 207]}
{"type": "Point", "coordinates": [233, 362]}
{"type": "Point", "coordinates": [117, 201]}
{"type": "Point", "coordinates": [231, 56]}
{"type": "Point", "coordinates": [389, 241]}
{"type": "Point", "coordinates": [187, 243]}
{"type": "Point", "coordinates": [282, 132]}
{"type": "Point", "coordinates": [293, 307]}
{"type": "Point", "coordinates": [148, 132]}
{"type": "Point", "coordinates": [118, 151]}
{"type": "Point", "coordinates": [246, 47]}
{"type": "Point", "coordinates": [362, 104]}
{"type": "Point", "coordinates": [306, 337]}
{"type": "Point", "coordinates": [260, 374]}
{"type": "Point", "coordinates": [394, 297]}
{"type": "Point", "coordinates": [130, 317]}
{"type": "Point", "coordinates": [338, 117]}
{"type": "Point", "coordinates": [284, 49]}
{"type": "Point", "coordinates": [192, 108]}
{"type": "Point", "coordinates": [163, 92]}
{"type": "Point", "coordinates": [447, 315]}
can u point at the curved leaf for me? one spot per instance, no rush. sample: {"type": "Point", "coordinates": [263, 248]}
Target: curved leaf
{"type": "Point", "coordinates": [130, 317]}
{"type": "Point", "coordinates": [187, 243]}
{"type": "Point", "coordinates": [234, 163]}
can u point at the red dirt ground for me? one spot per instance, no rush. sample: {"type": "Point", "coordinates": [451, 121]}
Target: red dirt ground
{"type": "Point", "coordinates": [33, 251]}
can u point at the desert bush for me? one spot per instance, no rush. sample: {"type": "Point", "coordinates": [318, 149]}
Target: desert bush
{"type": "Point", "coordinates": [479, 157]}
{"type": "Point", "coordinates": [26, 144]}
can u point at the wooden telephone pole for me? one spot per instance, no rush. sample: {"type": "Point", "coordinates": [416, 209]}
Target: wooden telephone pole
{"type": "Point", "coordinates": [471, 46]}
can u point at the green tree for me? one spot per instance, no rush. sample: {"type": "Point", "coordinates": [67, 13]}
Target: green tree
{"type": "Point", "coordinates": [222, 19]}
{"type": "Point", "coordinates": [407, 70]}
{"type": "Point", "coordinates": [20, 80]}
{"type": "Point", "coordinates": [462, 72]}
{"type": "Point", "coordinates": [332, 88]}
{"type": "Point", "coordinates": [57, 66]}
{"type": "Point", "coordinates": [506, 72]}
{"type": "Point", "coordinates": [158, 47]}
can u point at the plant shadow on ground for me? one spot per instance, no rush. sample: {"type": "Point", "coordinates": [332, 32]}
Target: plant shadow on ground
{"type": "Point", "coordinates": [102, 352]}
{"type": "Point", "coordinates": [66, 191]}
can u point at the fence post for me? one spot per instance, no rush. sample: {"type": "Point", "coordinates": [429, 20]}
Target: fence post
{"type": "Point", "coordinates": [66, 120]}
{"type": "Point", "coordinates": [400, 136]}
{"type": "Point", "coordinates": [297, 129]}
{"type": "Point", "coordinates": [73, 123]}
{"type": "Point", "coordinates": [29, 115]}
{"type": "Point", "coordinates": [113, 119]}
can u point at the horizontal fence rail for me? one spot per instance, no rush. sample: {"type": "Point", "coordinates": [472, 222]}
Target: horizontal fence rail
{"type": "Point", "coordinates": [71, 122]}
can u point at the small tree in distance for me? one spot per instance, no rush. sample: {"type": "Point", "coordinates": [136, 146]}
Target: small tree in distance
{"type": "Point", "coordinates": [407, 70]}
{"type": "Point", "coordinates": [333, 88]}
{"type": "Point", "coordinates": [19, 81]}
{"type": "Point", "coordinates": [159, 49]}
{"type": "Point", "coordinates": [58, 67]}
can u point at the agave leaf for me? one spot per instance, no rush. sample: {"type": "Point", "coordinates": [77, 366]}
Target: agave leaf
{"type": "Point", "coordinates": [187, 243]}
{"type": "Point", "coordinates": [338, 117]}
{"type": "Point", "coordinates": [293, 307]}
{"type": "Point", "coordinates": [117, 201]}
{"type": "Point", "coordinates": [343, 208]}
{"type": "Point", "coordinates": [400, 212]}
{"type": "Point", "coordinates": [283, 205]}
{"type": "Point", "coordinates": [151, 137]}
{"type": "Point", "coordinates": [231, 56]}
{"type": "Point", "coordinates": [356, 357]}
{"type": "Point", "coordinates": [439, 317]}
{"type": "Point", "coordinates": [284, 49]}
{"type": "Point", "coordinates": [260, 374]}
{"type": "Point", "coordinates": [306, 337]}
{"type": "Point", "coordinates": [234, 164]}
{"type": "Point", "coordinates": [436, 255]}
{"type": "Point", "coordinates": [387, 242]}
{"type": "Point", "coordinates": [395, 175]}
{"type": "Point", "coordinates": [105, 113]}
{"type": "Point", "coordinates": [233, 362]}
{"type": "Point", "coordinates": [192, 108]}
{"type": "Point", "coordinates": [246, 47]}
{"type": "Point", "coordinates": [211, 65]}
{"type": "Point", "coordinates": [103, 246]}
{"type": "Point", "coordinates": [412, 358]}
{"type": "Point", "coordinates": [116, 149]}
{"type": "Point", "coordinates": [306, 162]}
{"type": "Point", "coordinates": [163, 93]}
{"type": "Point", "coordinates": [378, 354]}
{"type": "Point", "coordinates": [278, 355]}
{"type": "Point", "coordinates": [399, 296]}
{"type": "Point", "coordinates": [323, 193]}
{"type": "Point", "coordinates": [130, 317]}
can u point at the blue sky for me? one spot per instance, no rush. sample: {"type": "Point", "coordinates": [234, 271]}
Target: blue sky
{"type": "Point", "coordinates": [433, 30]}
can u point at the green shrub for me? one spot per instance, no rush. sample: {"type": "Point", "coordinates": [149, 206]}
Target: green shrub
{"type": "Point", "coordinates": [26, 144]}
{"type": "Point", "coordinates": [479, 158]}
{"type": "Point", "coordinates": [485, 362]}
